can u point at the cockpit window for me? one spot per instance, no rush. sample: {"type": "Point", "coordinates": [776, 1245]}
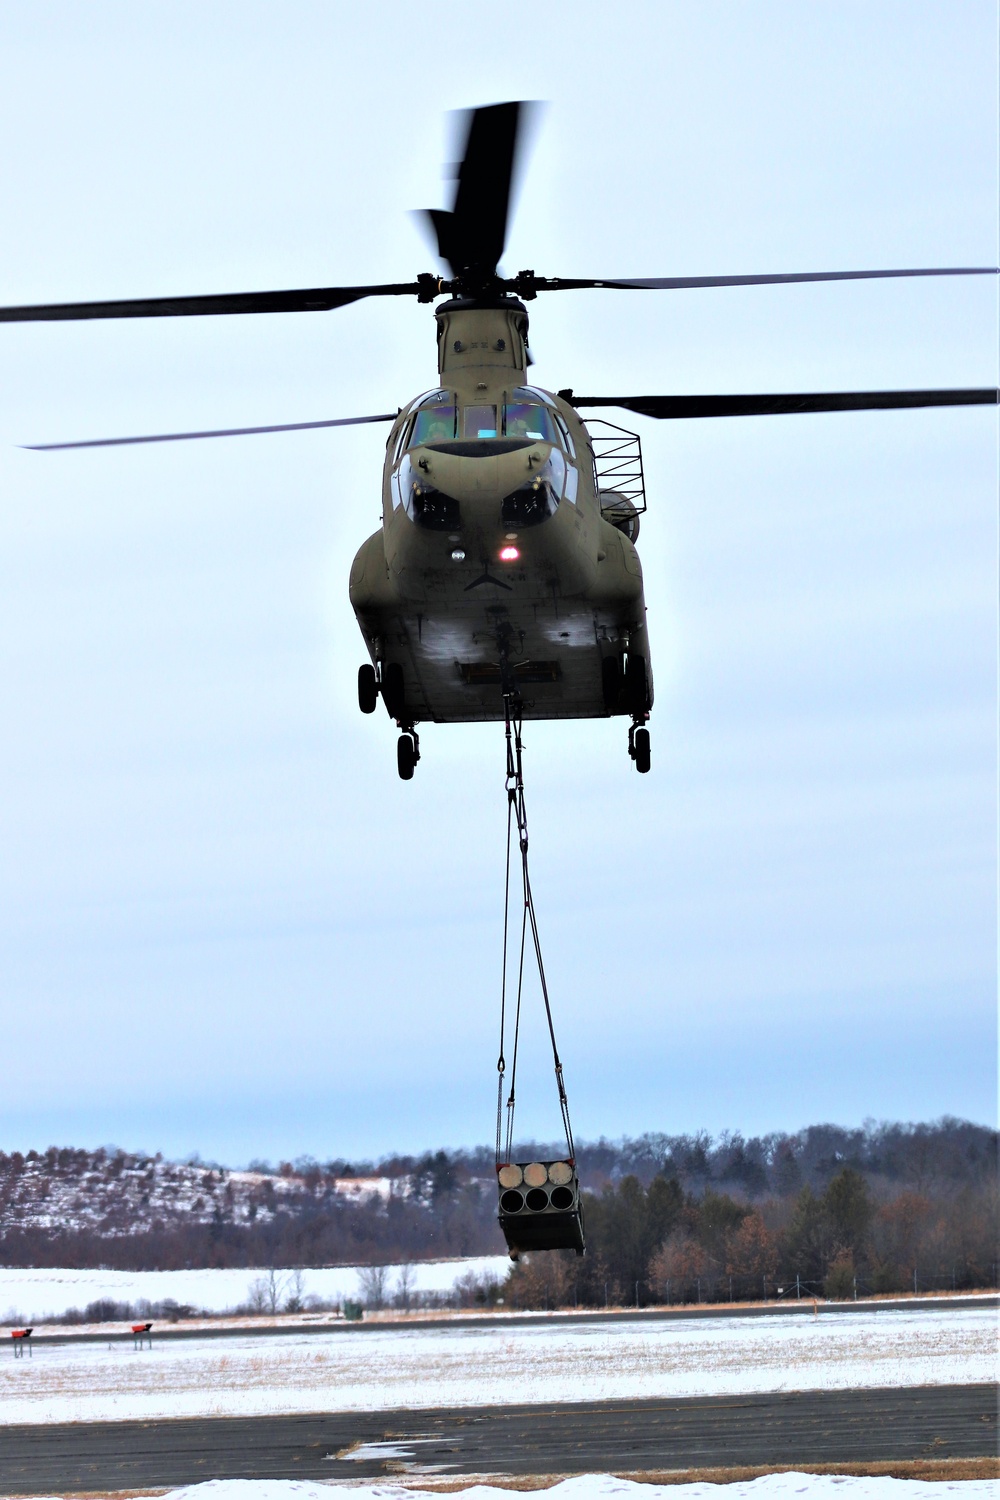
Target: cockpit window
{"type": "Point", "coordinates": [479, 422]}
{"type": "Point", "coordinates": [532, 393]}
{"type": "Point", "coordinates": [567, 439]}
{"type": "Point", "coordinates": [433, 424]}
{"type": "Point", "coordinates": [523, 419]}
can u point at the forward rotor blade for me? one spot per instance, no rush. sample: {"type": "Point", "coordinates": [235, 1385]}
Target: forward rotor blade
{"type": "Point", "coordinates": [471, 236]}
{"type": "Point", "coordinates": [785, 405]}
{"type": "Point", "coordinates": [679, 283]}
{"type": "Point", "coordinates": [317, 299]}
{"type": "Point", "coordinates": [182, 437]}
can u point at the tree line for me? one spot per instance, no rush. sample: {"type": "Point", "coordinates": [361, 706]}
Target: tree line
{"type": "Point", "coordinates": [658, 1244]}
{"type": "Point", "coordinates": [668, 1218]}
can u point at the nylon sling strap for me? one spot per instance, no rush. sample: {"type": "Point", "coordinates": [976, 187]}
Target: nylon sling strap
{"type": "Point", "coordinates": [516, 814]}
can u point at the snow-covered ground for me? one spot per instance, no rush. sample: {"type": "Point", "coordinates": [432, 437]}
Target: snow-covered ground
{"type": "Point", "coordinates": [410, 1366]}
{"type": "Point", "coordinates": [35, 1295]}
{"type": "Point", "coordinates": [606, 1487]}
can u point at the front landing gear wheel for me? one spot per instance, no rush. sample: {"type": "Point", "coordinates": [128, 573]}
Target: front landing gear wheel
{"type": "Point", "coordinates": [406, 756]}
{"type": "Point", "coordinates": [367, 689]}
{"type": "Point", "coordinates": [638, 747]}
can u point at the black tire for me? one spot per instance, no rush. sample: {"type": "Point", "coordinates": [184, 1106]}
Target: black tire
{"type": "Point", "coordinates": [635, 684]}
{"type": "Point", "coordinates": [641, 744]}
{"type": "Point", "coordinates": [406, 757]}
{"type": "Point", "coordinates": [393, 692]}
{"type": "Point", "coordinates": [611, 683]}
{"type": "Point", "coordinates": [367, 689]}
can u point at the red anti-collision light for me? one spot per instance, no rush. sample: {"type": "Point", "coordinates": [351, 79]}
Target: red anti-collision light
{"type": "Point", "coordinates": [509, 554]}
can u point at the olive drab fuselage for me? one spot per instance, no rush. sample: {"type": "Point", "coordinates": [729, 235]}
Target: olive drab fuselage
{"type": "Point", "coordinates": [495, 571]}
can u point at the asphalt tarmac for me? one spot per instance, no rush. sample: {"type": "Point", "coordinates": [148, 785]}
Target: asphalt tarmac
{"type": "Point", "coordinates": [790, 1428]}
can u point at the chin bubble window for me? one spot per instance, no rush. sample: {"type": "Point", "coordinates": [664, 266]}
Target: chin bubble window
{"type": "Point", "coordinates": [424, 505]}
{"type": "Point", "coordinates": [539, 498]}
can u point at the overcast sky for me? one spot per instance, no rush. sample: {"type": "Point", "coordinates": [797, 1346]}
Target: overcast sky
{"type": "Point", "coordinates": [225, 924]}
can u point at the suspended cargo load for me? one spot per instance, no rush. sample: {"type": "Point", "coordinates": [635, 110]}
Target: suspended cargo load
{"type": "Point", "coordinates": [540, 1206]}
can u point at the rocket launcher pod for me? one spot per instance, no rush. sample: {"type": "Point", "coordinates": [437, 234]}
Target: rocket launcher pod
{"type": "Point", "coordinates": [540, 1206]}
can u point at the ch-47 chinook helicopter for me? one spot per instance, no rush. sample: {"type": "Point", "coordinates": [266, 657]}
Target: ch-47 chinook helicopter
{"type": "Point", "coordinates": [505, 572]}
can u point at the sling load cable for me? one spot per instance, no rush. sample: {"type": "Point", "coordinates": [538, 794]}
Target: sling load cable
{"type": "Point", "coordinates": [516, 812]}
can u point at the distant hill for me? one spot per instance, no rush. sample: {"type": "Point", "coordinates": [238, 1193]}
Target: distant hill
{"type": "Point", "coordinates": [72, 1207]}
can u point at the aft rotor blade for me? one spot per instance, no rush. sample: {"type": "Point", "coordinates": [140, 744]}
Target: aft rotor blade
{"type": "Point", "coordinates": [680, 283]}
{"type": "Point", "coordinates": [471, 236]}
{"type": "Point", "coordinates": [316, 299]}
{"type": "Point", "coordinates": [183, 437]}
{"type": "Point", "coordinates": [786, 405]}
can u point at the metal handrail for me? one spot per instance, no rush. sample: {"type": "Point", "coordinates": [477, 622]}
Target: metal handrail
{"type": "Point", "coordinates": [618, 460]}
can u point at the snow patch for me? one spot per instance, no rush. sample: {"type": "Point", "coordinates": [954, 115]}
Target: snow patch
{"type": "Point", "coordinates": [604, 1486]}
{"type": "Point", "coordinates": [38, 1294]}
{"type": "Point", "coordinates": [387, 1367]}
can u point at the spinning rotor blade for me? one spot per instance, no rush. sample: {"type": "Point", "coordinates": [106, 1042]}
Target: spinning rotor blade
{"type": "Point", "coordinates": [318, 299]}
{"type": "Point", "coordinates": [472, 234]}
{"type": "Point", "coordinates": [178, 437]}
{"type": "Point", "coordinates": [785, 405]}
{"type": "Point", "coordinates": [679, 283]}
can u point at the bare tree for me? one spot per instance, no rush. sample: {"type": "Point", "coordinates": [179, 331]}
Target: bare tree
{"type": "Point", "coordinates": [405, 1287]}
{"type": "Point", "coordinates": [275, 1290]}
{"type": "Point", "coordinates": [295, 1289]}
{"type": "Point", "coordinates": [257, 1295]}
{"type": "Point", "coordinates": [373, 1282]}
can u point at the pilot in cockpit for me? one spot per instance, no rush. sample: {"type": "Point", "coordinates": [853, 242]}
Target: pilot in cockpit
{"type": "Point", "coordinates": [437, 427]}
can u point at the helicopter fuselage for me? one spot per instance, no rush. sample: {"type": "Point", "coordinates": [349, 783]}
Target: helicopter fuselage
{"type": "Point", "coordinates": [495, 577]}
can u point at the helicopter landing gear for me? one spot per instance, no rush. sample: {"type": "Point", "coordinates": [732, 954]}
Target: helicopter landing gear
{"type": "Point", "coordinates": [407, 753]}
{"type": "Point", "coordinates": [367, 689]}
{"type": "Point", "coordinates": [611, 683]}
{"type": "Point", "coordinates": [393, 691]}
{"type": "Point", "coordinates": [634, 690]}
{"type": "Point", "coordinates": [638, 746]}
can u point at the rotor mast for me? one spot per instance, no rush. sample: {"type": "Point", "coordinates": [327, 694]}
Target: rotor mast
{"type": "Point", "coordinates": [482, 335]}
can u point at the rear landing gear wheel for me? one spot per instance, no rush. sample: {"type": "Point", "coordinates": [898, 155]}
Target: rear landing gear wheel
{"type": "Point", "coordinates": [367, 689]}
{"type": "Point", "coordinates": [406, 756]}
{"type": "Point", "coordinates": [641, 750]}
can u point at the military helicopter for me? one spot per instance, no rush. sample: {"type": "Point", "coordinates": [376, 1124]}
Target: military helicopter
{"type": "Point", "coordinates": [505, 577]}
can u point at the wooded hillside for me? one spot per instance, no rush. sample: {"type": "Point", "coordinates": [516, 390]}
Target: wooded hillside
{"type": "Point", "coordinates": [884, 1207]}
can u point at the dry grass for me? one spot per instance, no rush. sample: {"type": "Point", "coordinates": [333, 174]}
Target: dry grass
{"type": "Point", "coordinates": [915, 1468]}
{"type": "Point", "coordinates": [111, 1494]}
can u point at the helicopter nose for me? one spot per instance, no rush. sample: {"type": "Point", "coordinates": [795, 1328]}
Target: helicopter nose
{"type": "Point", "coordinates": [462, 478]}
{"type": "Point", "coordinates": [488, 477]}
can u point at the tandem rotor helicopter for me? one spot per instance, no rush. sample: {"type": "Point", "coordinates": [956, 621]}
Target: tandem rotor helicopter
{"type": "Point", "coordinates": [505, 571]}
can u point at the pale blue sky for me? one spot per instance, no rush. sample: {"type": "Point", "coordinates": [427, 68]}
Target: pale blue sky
{"type": "Point", "coordinates": [225, 925]}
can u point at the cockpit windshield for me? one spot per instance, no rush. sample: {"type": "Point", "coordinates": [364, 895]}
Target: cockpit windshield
{"type": "Point", "coordinates": [524, 419]}
{"type": "Point", "coordinates": [439, 419]}
{"type": "Point", "coordinates": [479, 421]}
{"type": "Point", "coordinates": [434, 422]}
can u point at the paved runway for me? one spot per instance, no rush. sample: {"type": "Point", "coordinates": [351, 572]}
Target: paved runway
{"type": "Point", "coordinates": [698, 1432]}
